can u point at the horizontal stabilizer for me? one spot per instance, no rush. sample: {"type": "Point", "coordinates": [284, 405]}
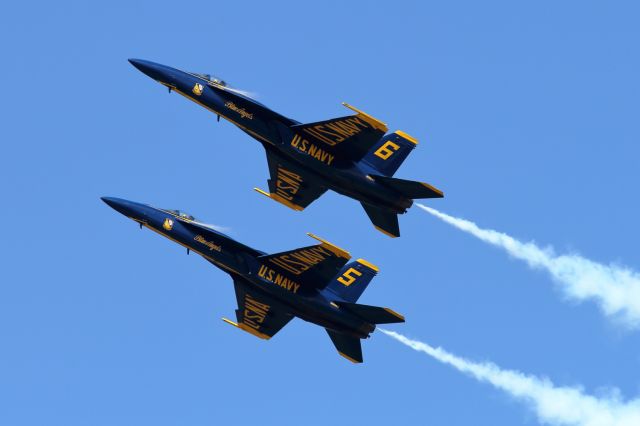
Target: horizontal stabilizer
{"type": "Point", "coordinates": [347, 346]}
{"type": "Point", "coordinates": [409, 188]}
{"type": "Point", "coordinates": [373, 314]}
{"type": "Point", "coordinates": [384, 220]}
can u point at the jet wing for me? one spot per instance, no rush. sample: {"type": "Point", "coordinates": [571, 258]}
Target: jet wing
{"type": "Point", "coordinates": [306, 268]}
{"type": "Point", "coordinates": [289, 185]}
{"type": "Point", "coordinates": [346, 138]}
{"type": "Point", "coordinates": [257, 313]}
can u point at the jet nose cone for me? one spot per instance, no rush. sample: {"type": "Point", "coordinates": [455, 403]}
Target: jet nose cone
{"type": "Point", "coordinates": [118, 204]}
{"type": "Point", "coordinates": [142, 65]}
{"type": "Point", "coordinates": [131, 209]}
{"type": "Point", "coordinates": [158, 72]}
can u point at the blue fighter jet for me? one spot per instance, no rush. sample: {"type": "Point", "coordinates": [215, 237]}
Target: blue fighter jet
{"type": "Point", "coordinates": [314, 283]}
{"type": "Point", "coordinates": [351, 155]}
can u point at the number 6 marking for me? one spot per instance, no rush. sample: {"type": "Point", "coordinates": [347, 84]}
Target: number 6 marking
{"type": "Point", "coordinates": [386, 150]}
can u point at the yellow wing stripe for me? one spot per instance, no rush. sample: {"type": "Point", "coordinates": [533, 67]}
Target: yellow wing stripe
{"type": "Point", "coordinates": [280, 200]}
{"type": "Point", "coordinates": [407, 137]}
{"type": "Point", "coordinates": [368, 265]}
{"type": "Point", "coordinates": [249, 330]}
{"type": "Point", "coordinates": [331, 247]}
{"type": "Point", "coordinates": [374, 122]}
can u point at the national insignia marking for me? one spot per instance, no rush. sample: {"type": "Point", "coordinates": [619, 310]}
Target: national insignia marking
{"type": "Point", "coordinates": [197, 89]}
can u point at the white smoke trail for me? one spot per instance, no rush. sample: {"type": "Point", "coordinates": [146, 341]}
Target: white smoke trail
{"type": "Point", "coordinates": [552, 404]}
{"type": "Point", "coordinates": [615, 288]}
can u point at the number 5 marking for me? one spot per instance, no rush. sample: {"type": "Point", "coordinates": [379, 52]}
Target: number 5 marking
{"type": "Point", "coordinates": [386, 150]}
{"type": "Point", "coordinates": [347, 278]}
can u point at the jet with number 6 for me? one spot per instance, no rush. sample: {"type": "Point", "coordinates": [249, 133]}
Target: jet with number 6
{"type": "Point", "coordinates": [314, 283]}
{"type": "Point", "coordinates": [351, 155]}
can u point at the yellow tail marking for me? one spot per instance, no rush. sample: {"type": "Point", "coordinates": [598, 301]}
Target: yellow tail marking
{"type": "Point", "coordinates": [331, 247]}
{"type": "Point", "coordinates": [374, 122]}
{"type": "Point", "coordinates": [368, 265]}
{"type": "Point", "coordinates": [407, 137]}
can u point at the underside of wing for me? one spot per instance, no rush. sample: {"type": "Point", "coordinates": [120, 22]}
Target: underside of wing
{"type": "Point", "coordinates": [346, 138]}
{"type": "Point", "coordinates": [309, 268]}
{"type": "Point", "coordinates": [289, 185]}
{"type": "Point", "coordinates": [257, 313]}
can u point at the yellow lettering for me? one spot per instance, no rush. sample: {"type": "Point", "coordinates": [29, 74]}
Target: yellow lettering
{"type": "Point", "coordinates": [386, 150]}
{"type": "Point", "coordinates": [344, 128]}
{"type": "Point", "coordinates": [261, 272]}
{"type": "Point", "coordinates": [347, 278]}
{"type": "Point", "coordinates": [319, 136]}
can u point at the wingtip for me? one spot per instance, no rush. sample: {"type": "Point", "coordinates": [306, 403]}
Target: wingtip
{"type": "Point", "coordinates": [265, 193]}
{"type": "Point", "coordinates": [374, 122]}
{"type": "Point", "coordinates": [338, 251]}
{"type": "Point", "coordinates": [228, 321]}
{"type": "Point", "coordinates": [279, 199]}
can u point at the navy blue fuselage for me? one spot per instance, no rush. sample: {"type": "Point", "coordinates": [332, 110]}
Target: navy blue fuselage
{"type": "Point", "coordinates": [316, 305]}
{"type": "Point", "coordinates": [274, 131]}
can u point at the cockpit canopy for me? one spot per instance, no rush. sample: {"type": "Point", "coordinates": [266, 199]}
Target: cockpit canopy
{"type": "Point", "coordinates": [181, 214]}
{"type": "Point", "coordinates": [212, 79]}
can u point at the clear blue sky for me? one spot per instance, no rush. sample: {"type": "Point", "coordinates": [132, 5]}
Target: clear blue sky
{"type": "Point", "coordinates": [527, 116]}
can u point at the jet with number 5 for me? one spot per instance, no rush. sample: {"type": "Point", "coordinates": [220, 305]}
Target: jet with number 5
{"type": "Point", "coordinates": [351, 155]}
{"type": "Point", "coordinates": [314, 283]}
